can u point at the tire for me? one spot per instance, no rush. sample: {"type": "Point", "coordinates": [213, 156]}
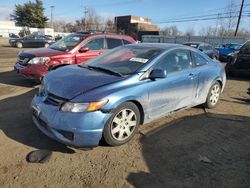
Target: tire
{"type": "Point", "coordinates": [46, 45]}
{"type": "Point", "coordinates": [119, 130]}
{"type": "Point", "coordinates": [19, 45]}
{"type": "Point", "coordinates": [213, 95]}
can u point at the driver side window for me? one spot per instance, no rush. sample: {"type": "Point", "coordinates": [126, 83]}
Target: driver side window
{"type": "Point", "coordinates": [175, 61]}
{"type": "Point", "coordinates": [95, 44]}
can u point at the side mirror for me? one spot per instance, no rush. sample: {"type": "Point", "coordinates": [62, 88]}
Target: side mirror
{"type": "Point", "coordinates": [84, 49]}
{"type": "Point", "coordinates": [157, 73]}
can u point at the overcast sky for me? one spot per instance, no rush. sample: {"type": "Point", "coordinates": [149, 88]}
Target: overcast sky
{"type": "Point", "coordinates": [158, 10]}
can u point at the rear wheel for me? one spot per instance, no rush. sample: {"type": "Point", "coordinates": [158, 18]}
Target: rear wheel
{"type": "Point", "coordinates": [19, 45]}
{"type": "Point", "coordinates": [213, 95]}
{"type": "Point", "coordinates": [122, 125]}
{"type": "Point", "coordinates": [46, 45]}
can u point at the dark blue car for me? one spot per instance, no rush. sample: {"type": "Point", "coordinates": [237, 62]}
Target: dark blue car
{"type": "Point", "coordinates": [227, 49]}
{"type": "Point", "coordinates": [110, 96]}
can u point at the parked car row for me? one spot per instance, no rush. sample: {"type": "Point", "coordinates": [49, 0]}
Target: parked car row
{"type": "Point", "coordinates": [108, 97]}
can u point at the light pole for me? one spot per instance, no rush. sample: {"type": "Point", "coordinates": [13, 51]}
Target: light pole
{"type": "Point", "coordinates": [51, 16]}
{"type": "Point", "coordinates": [85, 16]}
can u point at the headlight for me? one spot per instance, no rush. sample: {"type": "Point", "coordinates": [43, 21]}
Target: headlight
{"type": "Point", "coordinates": [38, 60]}
{"type": "Point", "coordinates": [41, 90]}
{"type": "Point", "coordinates": [82, 107]}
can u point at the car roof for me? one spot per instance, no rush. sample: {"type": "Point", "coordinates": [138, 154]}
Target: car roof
{"type": "Point", "coordinates": [159, 45]}
{"type": "Point", "coordinates": [196, 43]}
{"type": "Point", "coordinates": [99, 34]}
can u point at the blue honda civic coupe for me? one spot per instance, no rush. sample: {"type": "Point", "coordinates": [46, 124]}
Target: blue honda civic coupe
{"type": "Point", "coordinates": [111, 96]}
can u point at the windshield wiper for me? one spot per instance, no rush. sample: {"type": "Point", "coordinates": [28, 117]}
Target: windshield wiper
{"type": "Point", "coordinates": [84, 66]}
{"type": "Point", "coordinates": [104, 69]}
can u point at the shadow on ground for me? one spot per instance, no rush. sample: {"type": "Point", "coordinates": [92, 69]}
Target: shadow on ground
{"type": "Point", "coordinates": [13, 78]}
{"type": "Point", "coordinates": [174, 153]}
{"type": "Point", "coordinates": [16, 123]}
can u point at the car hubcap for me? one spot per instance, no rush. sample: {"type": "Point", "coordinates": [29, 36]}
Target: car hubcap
{"type": "Point", "coordinates": [123, 124]}
{"type": "Point", "coordinates": [215, 93]}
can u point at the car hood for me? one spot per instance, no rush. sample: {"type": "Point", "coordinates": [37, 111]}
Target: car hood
{"type": "Point", "coordinates": [71, 81]}
{"type": "Point", "coordinates": [43, 52]}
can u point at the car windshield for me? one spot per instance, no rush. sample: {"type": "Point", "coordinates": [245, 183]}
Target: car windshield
{"type": "Point", "coordinates": [245, 49]}
{"type": "Point", "coordinates": [235, 46]}
{"type": "Point", "coordinates": [124, 60]}
{"type": "Point", "coordinates": [68, 42]}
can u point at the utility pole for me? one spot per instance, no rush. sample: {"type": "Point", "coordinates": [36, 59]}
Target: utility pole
{"type": "Point", "coordinates": [51, 16]}
{"type": "Point", "coordinates": [85, 17]}
{"type": "Point", "coordinates": [238, 23]}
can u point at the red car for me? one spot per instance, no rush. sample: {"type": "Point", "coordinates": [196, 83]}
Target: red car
{"type": "Point", "coordinates": [74, 48]}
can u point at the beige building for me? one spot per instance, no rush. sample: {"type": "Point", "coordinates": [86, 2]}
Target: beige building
{"type": "Point", "coordinates": [134, 25]}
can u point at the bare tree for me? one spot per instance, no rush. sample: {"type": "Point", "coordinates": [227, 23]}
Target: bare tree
{"type": "Point", "coordinates": [170, 31]}
{"type": "Point", "coordinates": [189, 32]}
{"type": "Point", "coordinates": [110, 25]}
{"type": "Point", "coordinates": [227, 22]}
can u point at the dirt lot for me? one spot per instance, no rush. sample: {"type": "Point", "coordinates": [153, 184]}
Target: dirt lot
{"type": "Point", "coordinates": [193, 148]}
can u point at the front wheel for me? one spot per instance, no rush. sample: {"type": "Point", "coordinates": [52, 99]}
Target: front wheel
{"type": "Point", "coordinates": [122, 125]}
{"type": "Point", "coordinates": [213, 95]}
{"type": "Point", "coordinates": [19, 45]}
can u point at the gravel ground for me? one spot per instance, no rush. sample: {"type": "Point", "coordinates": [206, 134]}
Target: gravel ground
{"type": "Point", "coordinates": [193, 148]}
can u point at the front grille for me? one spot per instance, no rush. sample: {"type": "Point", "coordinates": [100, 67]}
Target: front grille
{"type": "Point", "coordinates": [53, 99]}
{"type": "Point", "coordinates": [23, 60]}
{"type": "Point", "coordinates": [42, 123]}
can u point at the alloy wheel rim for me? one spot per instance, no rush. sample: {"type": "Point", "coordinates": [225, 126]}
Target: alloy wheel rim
{"type": "Point", "coordinates": [123, 124]}
{"type": "Point", "coordinates": [215, 93]}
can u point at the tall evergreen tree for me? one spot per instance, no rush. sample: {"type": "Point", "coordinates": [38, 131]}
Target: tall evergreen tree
{"type": "Point", "coordinates": [30, 14]}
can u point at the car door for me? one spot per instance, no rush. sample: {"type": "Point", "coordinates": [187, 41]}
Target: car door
{"type": "Point", "coordinates": [96, 47]}
{"type": "Point", "coordinates": [203, 77]}
{"type": "Point", "coordinates": [34, 41]}
{"type": "Point", "coordinates": [177, 90]}
{"type": "Point", "coordinates": [40, 41]}
{"type": "Point", "coordinates": [27, 41]}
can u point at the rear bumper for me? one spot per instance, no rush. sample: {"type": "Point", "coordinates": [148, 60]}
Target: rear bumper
{"type": "Point", "coordinates": [74, 129]}
{"type": "Point", "coordinates": [36, 72]}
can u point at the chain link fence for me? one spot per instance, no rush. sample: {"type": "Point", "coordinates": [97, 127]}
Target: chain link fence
{"type": "Point", "coordinates": [215, 41]}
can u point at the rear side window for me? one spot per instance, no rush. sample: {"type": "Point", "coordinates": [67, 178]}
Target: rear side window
{"type": "Point", "coordinates": [125, 42]}
{"type": "Point", "coordinates": [112, 43]}
{"type": "Point", "coordinates": [199, 59]}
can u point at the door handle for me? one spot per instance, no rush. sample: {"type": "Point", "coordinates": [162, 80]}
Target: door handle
{"type": "Point", "coordinates": [191, 76]}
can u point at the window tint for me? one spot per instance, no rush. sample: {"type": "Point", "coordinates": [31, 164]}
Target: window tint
{"type": "Point", "coordinates": [40, 37]}
{"type": "Point", "coordinates": [112, 43]}
{"type": "Point", "coordinates": [198, 59]}
{"type": "Point", "coordinates": [126, 42]}
{"type": "Point", "coordinates": [175, 61]}
{"type": "Point", "coordinates": [95, 44]}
